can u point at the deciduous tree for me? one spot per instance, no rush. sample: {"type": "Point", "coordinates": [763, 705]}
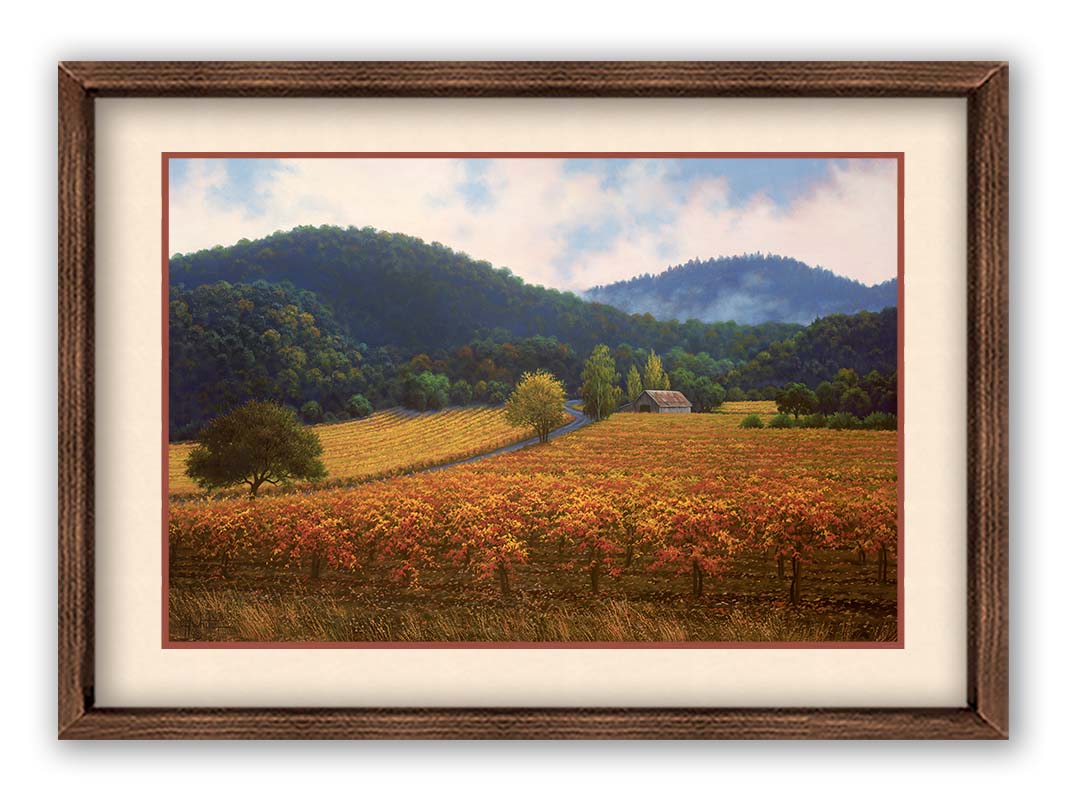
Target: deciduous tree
{"type": "Point", "coordinates": [256, 443]}
{"type": "Point", "coordinates": [538, 403]}
{"type": "Point", "coordinates": [797, 399]}
{"type": "Point", "coordinates": [633, 384]}
{"type": "Point", "coordinates": [655, 377]}
{"type": "Point", "coordinates": [706, 394]}
{"type": "Point", "coordinates": [855, 401]}
{"type": "Point", "coordinates": [600, 394]}
{"type": "Point", "coordinates": [460, 393]}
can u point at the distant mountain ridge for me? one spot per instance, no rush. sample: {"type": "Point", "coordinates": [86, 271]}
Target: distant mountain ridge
{"type": "Point", "coordinates": [748, 289]}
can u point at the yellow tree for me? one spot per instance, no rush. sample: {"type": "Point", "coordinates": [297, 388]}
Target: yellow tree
{"type": "Point", "coordinates": [655, 377]}
{"type": "Point", "coordinates": [537, 403]}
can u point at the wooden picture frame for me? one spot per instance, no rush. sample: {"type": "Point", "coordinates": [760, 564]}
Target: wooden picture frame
{"type": "Point", "coordinates": [984, 85]}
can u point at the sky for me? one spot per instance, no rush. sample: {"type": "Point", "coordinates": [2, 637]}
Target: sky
{"type": "Point", "coordinates": [565, 223]}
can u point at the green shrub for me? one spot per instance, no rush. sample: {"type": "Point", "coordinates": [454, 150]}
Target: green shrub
{"type": "Point", "coordinates": [780, 421]}
{"type": "Point", "coordinates": [497, 392]}
{"type": "Point", "coordinates": [460, 394]}
{"type": "Point", "coordinates": [812, 421]}
{"type": "Point", "coordinates": [311, 411]}
{"type": "Point", "coordinates": [855, 401]}
{"type": "Point", "coordinates": [358, 406]}
{"type": "Point", "coordinates": [752, 421]}
{"type": "Point", "coordinates": [880, 421]}
{"type": "Point", "coordinates": [842, 420]}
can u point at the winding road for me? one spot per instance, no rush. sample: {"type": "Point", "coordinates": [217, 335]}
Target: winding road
{"type": "Point", "coordinates": [580, 420]}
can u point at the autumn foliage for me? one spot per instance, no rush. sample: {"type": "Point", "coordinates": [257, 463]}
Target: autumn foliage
{"type": "Point", "coordinates": [680, 496]}
{"type": "Point", "coordinates": [538, 403]}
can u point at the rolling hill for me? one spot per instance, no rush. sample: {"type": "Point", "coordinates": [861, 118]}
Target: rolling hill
{"type": "Point", "coordinates": [390, 289]}
{"type": "Point", "coordinates": [748, 289]}
{"type": "Point", "coordinates": [325, 318]}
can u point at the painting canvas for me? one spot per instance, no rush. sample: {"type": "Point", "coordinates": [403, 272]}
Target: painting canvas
{"type": "Point", "coordinates": [533, 399]}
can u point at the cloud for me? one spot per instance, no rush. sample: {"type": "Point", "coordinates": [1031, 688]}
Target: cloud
{"type": "Point", "coordinates": [846, 223]}
{"type": "Point", "coordinates": [551, 224]}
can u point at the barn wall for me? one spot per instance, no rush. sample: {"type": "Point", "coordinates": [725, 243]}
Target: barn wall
{"type": "Point", "coordinates": [656, 408]}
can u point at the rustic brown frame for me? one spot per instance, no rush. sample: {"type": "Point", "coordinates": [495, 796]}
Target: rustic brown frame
{"type": "Point", "coordinates": [985, 87]}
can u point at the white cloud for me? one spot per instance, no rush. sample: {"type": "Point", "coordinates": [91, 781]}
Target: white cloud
{"type": "Point", "coordinates": [847, 223]}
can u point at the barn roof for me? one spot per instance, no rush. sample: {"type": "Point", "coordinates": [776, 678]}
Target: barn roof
{"type": "Point", "coordinates": [666, 399]}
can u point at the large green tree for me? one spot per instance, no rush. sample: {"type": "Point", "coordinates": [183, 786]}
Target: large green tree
{"type": "Point", "coordinates": [856, 401]}
{"type": "Point", "coordinates": [600, 392]}
{"type": "Point", "coordinates": [707, 395]}
{"type": "Point", "coordinates": [257, 443]}
{"type": "Point", "coordinates": [797, 399]}
{"type": "Point", "coordinates": [538, 403]}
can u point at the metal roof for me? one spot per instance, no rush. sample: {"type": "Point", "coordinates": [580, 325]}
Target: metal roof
{"type": "Point", "coordinates": [665, 399]}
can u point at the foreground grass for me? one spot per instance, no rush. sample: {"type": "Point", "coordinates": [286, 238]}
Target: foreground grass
{"type": "Point", "coordinates": [226, 615]}
{"type": "Point", "coordinates": [842, 602]}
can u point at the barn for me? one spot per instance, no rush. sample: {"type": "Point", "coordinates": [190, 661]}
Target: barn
{"type": "Point", "coordinates": [656, 401]}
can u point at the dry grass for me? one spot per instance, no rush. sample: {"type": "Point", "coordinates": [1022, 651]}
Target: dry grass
{"type": "Point", "coordinates": [842, 602]}
{"type": "Point", "coordinates": [225, 615]}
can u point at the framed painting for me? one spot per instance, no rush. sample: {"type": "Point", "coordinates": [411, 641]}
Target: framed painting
{"type": "Point", "coordinates": [533, 400]}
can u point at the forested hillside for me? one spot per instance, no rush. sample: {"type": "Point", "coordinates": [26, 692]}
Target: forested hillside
{"type": "Point", "coordinates": [396, 290]}
{"type": "Point", "coordinates": [335, 322]}
{"type": "Point", "coordinates": [230, 343]}
{"type": "Point", "coordinates": [752, 289]}
{"type": "Point", "coordinates": [861, 342]}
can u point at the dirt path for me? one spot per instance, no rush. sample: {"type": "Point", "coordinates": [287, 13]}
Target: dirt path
{"type": "Point", "coordinates": [579, 420]}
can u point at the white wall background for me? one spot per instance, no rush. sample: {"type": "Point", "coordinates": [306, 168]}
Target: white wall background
{"type": "Point", "coordinates": [37, 35]}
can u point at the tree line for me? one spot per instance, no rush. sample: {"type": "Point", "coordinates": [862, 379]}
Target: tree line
{"type": "Point", "coordinates": [230, 343]}
{"type": "Point", "coordinates": [250, 322]}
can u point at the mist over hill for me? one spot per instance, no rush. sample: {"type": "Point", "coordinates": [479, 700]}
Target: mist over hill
{"type": "Point", "coordinates": [749, 289]}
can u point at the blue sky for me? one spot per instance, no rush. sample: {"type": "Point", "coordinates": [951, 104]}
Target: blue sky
{"type": "Point", "coordinates": [568, 223]}
{"type": "Point", "coordinates": [781, 179]}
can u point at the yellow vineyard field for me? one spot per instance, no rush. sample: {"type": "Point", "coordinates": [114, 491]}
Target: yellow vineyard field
{"type": "Point", "coordinates": [390, 443]}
